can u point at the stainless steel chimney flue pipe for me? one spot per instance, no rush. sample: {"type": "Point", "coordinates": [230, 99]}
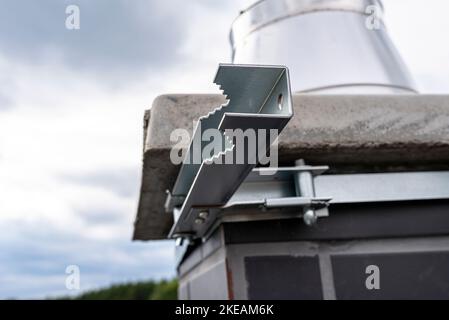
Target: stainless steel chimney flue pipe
{"type": "Point", "coordinates": [330, 46]}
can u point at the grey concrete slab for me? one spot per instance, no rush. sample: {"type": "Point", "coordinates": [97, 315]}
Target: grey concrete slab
{"type": "Point", "coordinates": [335, 130]}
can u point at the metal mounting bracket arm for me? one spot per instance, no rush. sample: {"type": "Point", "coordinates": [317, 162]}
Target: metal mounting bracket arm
{"type": "Point", "coordinates": [259, 99]}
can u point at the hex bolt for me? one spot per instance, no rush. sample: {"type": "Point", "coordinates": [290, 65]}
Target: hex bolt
{"type": "Point", "coordinates": [309, 217]}
{"type": "Point", "coordinates": [203, 214]}
{"type": "Point", "coordinates": [199, 221]}
{"type": "Point", "coordinates": [179, 241]}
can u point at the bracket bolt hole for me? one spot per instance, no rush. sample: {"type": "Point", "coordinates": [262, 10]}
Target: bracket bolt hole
{"type": "Point", "coordinates": [280, 101]}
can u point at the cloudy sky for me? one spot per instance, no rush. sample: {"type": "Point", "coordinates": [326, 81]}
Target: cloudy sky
{"type": "Point", "coordinates": [71, 107]}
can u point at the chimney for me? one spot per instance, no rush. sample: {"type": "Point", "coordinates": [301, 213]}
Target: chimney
{"type": "Point", "coordinates": [329, 46]}
{"type": "Point", "coordinates": [356, 205]}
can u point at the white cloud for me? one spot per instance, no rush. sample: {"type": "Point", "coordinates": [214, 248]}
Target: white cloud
{"type": "Point", "coordinates": [419, 30]}
{"type": "Point", "coordinates": [63, 147]}
{"type": "Point", "coordinates": [62, 126]}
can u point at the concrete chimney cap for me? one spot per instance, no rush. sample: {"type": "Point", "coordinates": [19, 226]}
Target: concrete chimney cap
{"type": "Point", "coordinates": [342, 131]}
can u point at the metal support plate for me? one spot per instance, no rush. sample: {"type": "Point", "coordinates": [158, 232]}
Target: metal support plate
{"type": "Point", "coordinates": [278, 194]}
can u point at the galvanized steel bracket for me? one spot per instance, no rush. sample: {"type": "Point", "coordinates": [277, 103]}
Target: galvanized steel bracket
{"type": "Point", "coordinates": [259, 98]}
